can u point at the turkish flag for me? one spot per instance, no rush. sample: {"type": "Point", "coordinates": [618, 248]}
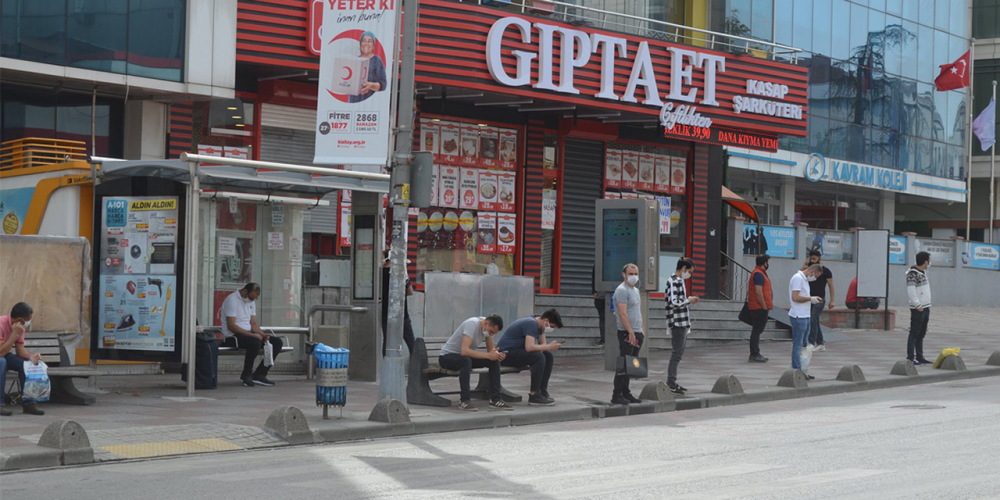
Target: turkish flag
{"type": "Point", "coordinates": [954, 75]}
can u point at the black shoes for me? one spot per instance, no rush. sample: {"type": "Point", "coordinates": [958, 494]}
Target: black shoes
{"type": "Point", "coordinates": [540, 399]}
{"type": "Point", "coordinates": [260, 376]}
{"type": "Point", "coordinates": [916, 362]}
{"type": "Point", "coordinates": [757, 358]}
{"type": "Point", "coordinates": [924, 361]}
{"type": "Point", "coordinates": [499, 404]}
{"type": "Point", "coordinates": [619, 400]}
{"type": "Point", "coordinates": [677, 389]}
{"type": "Point", "coordinates": [33, 410]}
{"type": "Point", "coordinates": [247, 381]}
{"type": "Point", "coordinates": [4, 412]}
{"type": "Point", "coordinates": [810, 377]}
{"type": "Point", "coordinates": [631, 398]}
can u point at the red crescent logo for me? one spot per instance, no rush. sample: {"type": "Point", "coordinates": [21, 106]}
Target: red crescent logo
{"type": "Point", "coordinates": [349, 73]}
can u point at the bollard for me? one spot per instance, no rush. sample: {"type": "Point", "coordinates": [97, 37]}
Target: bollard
{"type": "Point", "coordinates": [728, 384]}
{"type": "Point", "coordinates": [657, 391]}
{"type": "Point", "coordinates": [390, 411]}
{"type": "Point", "coordinates": [851, 373]}
{"type": "Point", "coordinates": [953, 363]}
{"type": "Point", "coordinates": [69, 437]}
{"type": "Point", "coordinates": [794, 379]}
{"type": "Point", "coordinates": [904, 368]}
{"type": "Point", "coordinates": [290, 423]}
{"type": "Point", "coordinates": [994, 359]}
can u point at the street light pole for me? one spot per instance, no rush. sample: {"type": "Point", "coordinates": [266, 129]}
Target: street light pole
{"type": "Point", "coordinates": [993, 168]}
{"type": "Point", "coordinates": [392, 384]}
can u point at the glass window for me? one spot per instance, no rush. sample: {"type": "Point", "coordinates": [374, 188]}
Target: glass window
{"type": "Point", "coordinates": [762, 28]}
{"type": "Point", "coordinates": [819, 133]}
{"type": "Point", "coordinates": [97, 35]}
{"type": "Point", "coordinates": [959, 25]}
{"type": "Point", "coordinates": [739, 18]}
{"type": "Point", "coordinates": [895, 7]}
{"type": "Point", "coordinates": [783, 22]}
{"type": "Point", "coordinates": [34, 31]}
{"type": "Point", "coordinates": [893, 49]}
{"type": "Point", "coordinates": [926, 12]}
{"type": "Point", "coordinates": [859, 30]}
{"type": "Point", "coordinates": [942, 14]}
{"type": "Point", "coordinates": [819, 86]}
{"type": "Point", "coordinates": [821, 27]}
{"type": "Point", "coordinates": [841, 30]}
{"type": "Point", "coordinates": [837, 146]}
{"type": "Point", "coordinates": [878, 5]}
{"type": "Point", "coordinates": [156, 39]}
{"type": "Point", "coordinates": [911, 9]}
{"type": "Point", "coordinates": [41, 113]}
{"type": "Point", "coordinates": [924, 125]}
{"type": "Point", "coordinates": [925, 54]}
{"type": "Point", "coordinates": [984, 21]}
{"type": "Point", "coordinates": [908, 40]}
{"type": "Point", "coordinates": [802, 35]}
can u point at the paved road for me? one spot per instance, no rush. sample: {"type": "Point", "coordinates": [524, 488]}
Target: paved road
{"type": "Point", "coordinates": [931, 441]}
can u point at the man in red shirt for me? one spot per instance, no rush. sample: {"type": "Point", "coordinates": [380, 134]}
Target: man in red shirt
{"type": "Point", "coordinates": [13, 354]}
{"type": "Point", "coordinates": [759, 303]}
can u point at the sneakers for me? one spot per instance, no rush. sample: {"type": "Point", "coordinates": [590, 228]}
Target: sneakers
{"type": "Point", "coordinates": [677, 389]}
{"type": "Point", "coordinates": [914, 361]}
{"type": "Point", "coordinates": [247, 381]}
{"type": "Point", "coordinates": [467, 406]}
{"type": "Point", "coordinates": [262, 380]}
{"type": "Point", "coordinates": [540, 399]}
{"type": "Point", "coordinates": [757, 358]}
{"type": "Point", "coordinates": [500, 404]}
{"type": "Point", "coordinates": [545, 393]}
{"type": "Point", "coordinates": [924, 361]}
{"type": "Point", "coordinates": [820, 348]}
{"type": "Point", "coordinates": [33, 410]}
{"type": "Point", "coordinates": [810, 377]}
{"type": "Point", "coordinates": [631, 398]}
{"type": "Point", "coordinates": [4, 412]}
{"type": "Point", "coordinates": [619, 400]}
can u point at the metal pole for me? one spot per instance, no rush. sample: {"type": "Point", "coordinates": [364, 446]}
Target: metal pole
{"type": "Point", "coordinates": [993, 170]}
{"type": "Point", "coordinates": [968, 170]}
{"type": "Point", "coordinates": [189, 303]}
{"type": "Point", "coordinates": [392, 383]}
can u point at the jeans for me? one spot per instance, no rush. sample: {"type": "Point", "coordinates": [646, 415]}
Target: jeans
{"type": "Point", "coordinates": [15, 363]}
{"type": "Point", "coordinates": [759, 317]}
{"type": "Point", "coordinates": [464, 365]}
{"type": "Point", "coordinates": [600, 305]}
{"type": "Point", "coordinates": [678, 340]}
{"type": "Point", "coordinates": [540, 363]}
{"type": "Point", "coordinates": [625, 349]}
{"type": "Point", "coordinates": [252, 345]}
{"type": "Point", "coordinates": [815, 329]}
{"type": "Point", "coordinates": [918, 329]}
{"type": "Point", "coordinates": [800, 332]}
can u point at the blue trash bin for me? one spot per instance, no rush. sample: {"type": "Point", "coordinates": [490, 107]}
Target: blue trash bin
{"type": "Point", "coordinates": [331, 377]}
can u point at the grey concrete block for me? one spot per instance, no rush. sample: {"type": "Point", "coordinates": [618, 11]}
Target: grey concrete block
{"type": "Point", "coordinates": [450, 423]}
{"type": "Point", "coordinates": [615, 411]}
{"type": "Point", "coordinates": [830, 387]}
{"type": "Point", "coordinates": [691, 403]}
{"type": "Point", "coordinates": [657, 391]}
{"type": "Point", "coordinates": [598, 411]}
{"type": "Point", "coordinates": [904, 368]}
{"type": "Point", "coordinates": [390, 411]}
{"type": "Point", "coordinates": [953, 363]}
{"type": "Point", "coordinates": [851, 373]}
{"type": "Point", "coordinates": [794, 379]}
{"type": "Point", "coordinates": [716, 400]}
{"type": "Point", "coordinates": [403, 429]}
{"type": "Point", "coordinates": [289, 423]}
{"type": "Point", "coordinates": [70, 438]}
{"type": "Point", "coordinates": [994, 359]}
{"type": "Point", "coordinates": [551, 414]}
{"type": "Point", "coordinates": [29, 457]}
{"type": "Point", "coordinates": [728, 384]}
{"type": "Point", "coordinates": [643, 408]}
{"type": "Point", "coordinates": [769, 394]}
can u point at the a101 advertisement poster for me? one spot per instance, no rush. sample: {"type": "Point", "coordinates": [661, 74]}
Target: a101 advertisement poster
{"type": "Point", "coordinates": [137, 312]}
{"type": "Point", "coordinates": [355, 82]}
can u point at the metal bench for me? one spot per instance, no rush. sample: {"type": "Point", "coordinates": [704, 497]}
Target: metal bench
{"type": "Point", "coordinates": [228, 351]}
{"type": "Point", "coordinates": [64, 391]}
{"type": "Point", "coordinates": [422, 370]}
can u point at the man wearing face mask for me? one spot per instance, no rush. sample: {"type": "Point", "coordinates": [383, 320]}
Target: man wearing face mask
{"type": "Point", "coordinates": [800, 311]}
{"type": "Point", "coordinates": [13, 354]}
{"type": "Point", "coordinates": [678, 319]}
{"type": "Point", "coordinates": [758, 304]}
{"type": "Point", "coordinates": [629, 322]}
{"type": "Point", "coordinates": [918, 291]}
{"type": "Point", "coordinates": [461, 354]}
{"type": "Point", "coordinates": [239, 325]}
{"type": "Point", "coordinates": [817, 287]}
{"type": "Point", "coordinates": [525, 344]}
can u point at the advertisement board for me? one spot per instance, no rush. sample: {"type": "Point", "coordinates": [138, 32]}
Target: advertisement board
{"type": "Point", "coordinates": [777, 241]}
{"type": "Point", "coordinates": [897, 250]}
{"type": "Point", "coordinates": [982, 256]}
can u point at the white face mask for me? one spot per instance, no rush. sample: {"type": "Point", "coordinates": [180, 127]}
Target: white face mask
{"type": "Point", "coordinates": [486, 333]}
{"type": "Point", "coordinates": [632, 280]}
{"type": "Point", "coordinates": [811, 278]}
{"type": "Point", "coordinates": [685, 276]}
{"type": "Point", "coordinates": [548, 330]}
{"type": "Point", "coordinates": [27, 324]}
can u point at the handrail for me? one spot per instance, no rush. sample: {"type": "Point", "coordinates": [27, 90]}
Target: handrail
{"type": "Point", "coordinates": [292, 330]}
{"type": "Point", "coordinates": [735, 280]}
{"type": "Point", "coordinates": [326, 308]}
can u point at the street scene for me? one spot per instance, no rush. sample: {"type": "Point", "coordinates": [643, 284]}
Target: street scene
{"type": "Point", "coordinates": [481, 248]}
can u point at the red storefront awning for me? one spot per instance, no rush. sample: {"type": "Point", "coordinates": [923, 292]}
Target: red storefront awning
{"type": "Point", "coordinates": [736, 201]}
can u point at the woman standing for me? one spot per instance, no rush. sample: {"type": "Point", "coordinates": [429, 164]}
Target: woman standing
{"type": "Point", "coordinates": [375, 80]}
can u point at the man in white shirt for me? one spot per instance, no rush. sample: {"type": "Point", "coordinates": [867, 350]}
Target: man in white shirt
{"type": "Point", "coordinates": [461, 354]}
{"type": "Point", "coordinates": [800, 311]}
{"type": "Point", "coordinates": [239, 325]}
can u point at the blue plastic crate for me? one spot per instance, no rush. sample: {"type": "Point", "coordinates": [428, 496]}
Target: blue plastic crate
{"type": "Point", "coordinates": [331, 377]}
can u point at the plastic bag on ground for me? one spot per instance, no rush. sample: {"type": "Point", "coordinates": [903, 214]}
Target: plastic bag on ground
{"type": "Point", "coordinates": [805, 357]}
{"type": "Point", "coordinates": [36, 382]}
{"type": "Point", "coordinates": [951, 351]}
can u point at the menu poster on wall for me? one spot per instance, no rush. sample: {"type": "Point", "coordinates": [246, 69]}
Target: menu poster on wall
{"type": "Point", "coordinates": [613, 168]}
{"type": "Point", "coordinates": [237, 153]}
{"type": "Point", "coordinates": [344, 228]}
{"type": "Point", "coordinates": [549, 202]}
{"type": "Point", "coordinates": [448, 187]}
{"type": "Point", "coordinates": [506, 231]}
{"type": "Point", "coordinates": [450, 143]}
{"type": "Point", "coordinates": [435, 175]}
{"type": "Point", "coordinates": [664, 206]}
{"type": "Point", "coordinates": [506, 191]}
{"type": "Point", "coordinates": [647, 170]}
{"type": "Point", "coordinates": [630, 169]}
{"type": "Point", "coordinates": [430, 137]}
{"type": "Point", "coordinates": [489, 147]}
{"type": "Point", "coordinates": [612, 195]}
{"type": "Point", "coordinates": [678, 176]}
{"type": "Point", "coordinates": [508, 149]}
{"type": "Point", "coordinates": [486, 235]}
{"type": "Point", "coordinates": [469, 188]}
{"type": "Point", "coordinates": [488, 190]}
{"type": "Point", "coordinates": [629, 196]}
{"type": "Point", "coordinates": [470, 146]}
{"type": "Point", "coordinates": [664, 166]}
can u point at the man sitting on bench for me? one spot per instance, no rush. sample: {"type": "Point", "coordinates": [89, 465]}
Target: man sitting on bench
{"type": "Point", "coordinates": [525, 345]}
{"type": "Point", "coordinates": [13, 354]}
{"type": "Point", "coordinates": [460, 354]}
{"type": "Point", "coordinates": [243, 332]}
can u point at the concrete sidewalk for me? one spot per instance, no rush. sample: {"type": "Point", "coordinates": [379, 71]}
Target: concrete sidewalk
{"type": "Point", "coordinates": [148, 416]}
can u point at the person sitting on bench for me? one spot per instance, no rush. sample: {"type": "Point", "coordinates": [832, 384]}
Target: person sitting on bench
{"type": "Point", "coordinates": [460, 354]}
{"type": "Point", "coordinates": [13, 355]}
{"type": "Point", "coordinates": [525, 345]}
{"type": "Point", "coordinates": [242, 331]}
{"type": "Point", "coordinates": [855, 302]}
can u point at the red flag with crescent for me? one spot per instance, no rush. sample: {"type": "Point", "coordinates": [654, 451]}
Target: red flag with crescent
{"type": "Point", "coordinates": [954, 75]}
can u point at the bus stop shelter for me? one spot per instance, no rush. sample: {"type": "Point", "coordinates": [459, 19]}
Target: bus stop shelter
{"type": "Point", "coordinates": [209, 176]}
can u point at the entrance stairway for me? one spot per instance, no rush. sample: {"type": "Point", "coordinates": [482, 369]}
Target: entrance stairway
{"type": "Point", "coordinates": [714, 322]}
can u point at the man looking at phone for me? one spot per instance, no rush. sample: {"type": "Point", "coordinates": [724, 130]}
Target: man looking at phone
{"type": "Point", "coordinates": [678, 319]}
{"type": "Point", "coordinates": [525, 344]}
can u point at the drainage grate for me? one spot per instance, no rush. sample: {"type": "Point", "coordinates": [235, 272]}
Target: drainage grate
{"type": "Point", "coordinates": [919, 407]}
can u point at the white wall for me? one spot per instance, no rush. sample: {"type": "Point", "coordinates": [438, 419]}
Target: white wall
{"type": "Point", "coordinates": [146, 130]}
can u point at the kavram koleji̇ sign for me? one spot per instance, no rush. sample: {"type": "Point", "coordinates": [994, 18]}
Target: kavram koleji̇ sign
{"type": "Point", "coordinates": [353, 125]}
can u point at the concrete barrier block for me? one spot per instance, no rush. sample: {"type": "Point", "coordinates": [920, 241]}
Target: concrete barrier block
{"type": "Point", "coordinates": [390, 411]}
{"type": "Point", "coordinates": [657, 391]}
{"type": "Point", "coordinates": [289, 423]}
{"type": "Point", "coordinates": [794, 379]}
{"type": "Point", "coordinates": [904, 368]}
{"type": "Point", "coordinates": [70, 438]}
{"type": "Point", "coordinates": [994, 359]}
{"type": "Point", "coordinates": [953, 363]}
{"type": "Point", "coordinates": [728, 384]}
{"type": "Point", "coordinates": [851, 373]}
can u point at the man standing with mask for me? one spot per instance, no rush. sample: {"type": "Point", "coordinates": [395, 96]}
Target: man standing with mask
{"type": "Point", "coordinates": [799, 313]}
{"type": "Point", "coordinates": [817, 288]}
{"type": "Point", "coordinates": [918, 290]}
{"type": "Point", "coordinates": [759, 303]}
{"type": "Point", "coordinates": [240, 327]}
{"type": "Point", "coordinates": [13, 354]}
{"type": "Point", "coordinates": [678, 319]}
{"type": "Point", "coordinates": [629, 322]}
{"type": "Point", "coordinates": [525, 344]}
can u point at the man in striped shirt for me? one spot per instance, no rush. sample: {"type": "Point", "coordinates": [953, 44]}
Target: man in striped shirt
{"type": "Point", "coordinates": [678, 318]}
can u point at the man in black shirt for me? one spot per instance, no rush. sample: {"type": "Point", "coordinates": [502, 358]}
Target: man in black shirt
{"type": "Point", "coordinates": [817, 288]}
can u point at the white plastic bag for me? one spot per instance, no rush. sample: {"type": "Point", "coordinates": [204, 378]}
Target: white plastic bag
{"type": "Point", "coordinates": [268, 353]}
{"type": "Point", "coordinates": [36, 382]}
{"type": "Point", "coordinates": [805, 357]}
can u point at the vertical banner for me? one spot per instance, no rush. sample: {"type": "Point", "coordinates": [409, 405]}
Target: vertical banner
{"type": "Point", "coordinates": [897, 250]}
{"type": "Point", "coordinates": [613, 169]}
{"type": "Point", "coordinates": [487, 237]}
{"type": "Point", "coordinates": [469, 188]}
{"type": "Point", "coordinates": [450, 143]}
{"type": "Point", "coordinates": [678, 176]}
{"type": "Point", "coordinates": [355, 79]}
{"type": "Point", "coordinates": [344, 228]}
{"type": "Point", "coordinates": [664, 206]}
{"type": "Point", "coordinates": [448, 189]}
{"type": "Point", "coordinates": [488, 192]}
{"type": "Point", "coordinates": [647, 165]}
{"type": "Point", "coordinates": [508, 149]}
{"type": "Point", "coordinates": [489, 147]}
{"type": "Point", "coordinates": [663, 171]}
{"type": "Point", "coordinates": [630, 169]}
{"type": "Point", "coordinates": [430, 137]}
{"type": "Point", "coordinates": [549, 202]}
{"type": "Point", "coordinates": [506, 231]}
{"type": "Point", "coordinates": [507, 183]}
